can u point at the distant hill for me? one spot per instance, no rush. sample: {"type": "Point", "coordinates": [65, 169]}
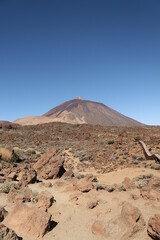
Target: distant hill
{"type": "Point", "coordinates": [79, 111]}
{"type": "Point", "coordinates": [7, 124]}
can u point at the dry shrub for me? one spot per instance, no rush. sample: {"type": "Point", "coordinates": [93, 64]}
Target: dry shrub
{"type": "Point", "coordinates": [5, 154]}
{"type": "Point", "coordinates": [5, 188]}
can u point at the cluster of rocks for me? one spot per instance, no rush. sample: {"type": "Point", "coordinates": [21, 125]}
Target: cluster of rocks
{"type": "Point", "coordinates": [129, 224]}
{"type": "Point", "coordinates": [34, 220]}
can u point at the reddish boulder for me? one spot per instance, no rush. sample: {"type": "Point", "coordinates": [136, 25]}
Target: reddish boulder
{"type": "Point", "coordinates": [98, 229]}
{"type": "Point", "coordinates": [132, 217]}
{"type": "Point", "coordinates": [8, 234]}
{"type": "Point", "coordinates": [22, 195]}
{"type": "Point", "coordinates": [29, 221]}
{"type": "Point", "coordinates": [129, 184]}
{"type": "Point", "coordinates": [12, 176]}
{"type": "Point", "coordinates": [153, 227]}
{"type": "Point", "coordinates": [3, 213]}
{"type": "Point", "coordinates": [154, 183]}
{"type": "Point", "coordinates": [127, 225]}
{"type": "Point", "coordinates": [45, 199]}
{"type": "Point", "coordinates": [150, 194]}
{"type": "Point", "coordinates": [84, 185]}
{"type": "Point", "coordinates": [68, 174]}
{"type": "Point", "coordinates": [27, 175]}
{"type": "Point", "coordinates": [50, 165]}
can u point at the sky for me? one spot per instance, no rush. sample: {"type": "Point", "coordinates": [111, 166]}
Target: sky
{"type": "Point", "coordinates": [52, 51]}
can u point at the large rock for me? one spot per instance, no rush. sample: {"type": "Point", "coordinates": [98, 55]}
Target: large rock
{"type": "Point", "coordinates": [127, 225]}
{"type": "Point", "coordinates": [8, 234]}
{"type": "Point", "coordinates": [18, 155]}
{"type": "Point", "coordinates": [50, 165]}
{"type": "Point", "coordinates": [27, 175]}
{"type": "Point", "coordinates": [154, 183]}
{"type": "Point", "coordinates": [152, 191]}
{"type": "Point", "coordinates": [85, 184]}
{"type": "Point", "coordinates": [29, 221]}
{"type": "Point", "coordinates": [151, 194]}
{"type": "Point", "coordinates": [68, 174]}
{"type": "Point", "coordinates": [45, 199]}
{"type": "Point", "coordinates": [133, 218]}
{"type": "Point", "coordinates": [3, 213]}
{"type": "Point", "coordinates": [153, 227]}
{"type": "Point", "coordinates": [12, 176]}
{"type": "Point", "coordinates": [20, 195]}
{"type": "Point", "coordinates": [128, 183]}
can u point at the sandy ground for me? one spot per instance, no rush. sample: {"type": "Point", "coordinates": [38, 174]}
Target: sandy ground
{"type": "Point", "coordinates": [74, 219]}
{"type": "Point", "coordinates": [118, 176]}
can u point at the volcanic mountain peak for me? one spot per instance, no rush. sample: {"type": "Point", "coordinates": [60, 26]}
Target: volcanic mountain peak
{"type": "Point", "coordinates": [80, 111]}
{"type": "Point", "coordinates": [85, 111]}
{"type": "Point", "coordinates": [79, 98]}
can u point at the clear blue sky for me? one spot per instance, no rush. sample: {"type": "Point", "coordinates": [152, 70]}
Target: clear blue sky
{"type": "Point", "coordinates": [102, 50]}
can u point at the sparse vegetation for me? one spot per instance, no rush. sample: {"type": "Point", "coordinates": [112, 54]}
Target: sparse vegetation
{"type": "Point", "coordinates": [110, 142]}
{"type": "Point", "coordinates": [5, 188]}
{"type": "Point", "coordinates": [137, 138]}
{"type": "Point", "coordinates": [34, 196]}
{"type": "Point", "coordinates": [5, 154]}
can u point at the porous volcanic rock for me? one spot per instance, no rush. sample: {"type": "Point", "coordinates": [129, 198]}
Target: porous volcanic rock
{"type": "Point", "coordinates": [50, 165]}
{"type": "Point", "coordinates": [3, 213]}
{"type": "Point", "coordinates": [20, 195]}
{"type": "Point", "coordinates": [8, 234]}
{"type": "Point", "coordinates": [148, 193]}
{"type": "Point", "coordinates": [153, 227]}
{"type": "Point", "coordinates": [18, 155]}
{"type": "Point", "coordinates": [129, 184]}
{"type": "Point", "coordinates": [29, 221]}
{"type": "Point", "coordinates": [85, 184]}
{"type": "Point", "coordinates": [154, 183]}
{"type": "Point", "coordinates": [45, 199]}
{"type": "Point", "coordinates": [127, 225]}
{"type": "Point", "coordinates": [27, 175]}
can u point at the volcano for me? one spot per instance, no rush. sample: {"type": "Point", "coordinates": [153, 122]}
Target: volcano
{"type": "Point", "coordinates": [80, 111]}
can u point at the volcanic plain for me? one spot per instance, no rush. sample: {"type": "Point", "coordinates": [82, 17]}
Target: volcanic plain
{"type": "Point", "coordinates": [64, 181]}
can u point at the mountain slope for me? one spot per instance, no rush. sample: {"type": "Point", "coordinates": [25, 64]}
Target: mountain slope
{"type": "Point", "coordinates": [33, 120]}
{"type": "Point", "coordinates": [85, 111]}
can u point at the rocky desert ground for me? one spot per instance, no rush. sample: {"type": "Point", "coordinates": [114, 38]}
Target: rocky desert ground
{"type": "Point", "coordinates": [63, 181]}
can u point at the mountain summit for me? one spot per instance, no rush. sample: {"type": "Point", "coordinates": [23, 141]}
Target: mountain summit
{"type": "Point", "coordinates": [80, 111]}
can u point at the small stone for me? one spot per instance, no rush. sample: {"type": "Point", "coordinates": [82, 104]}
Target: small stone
{"type": "Point", "coordinates": [121, 187]}
{"type": "Point", "coordinates": [155, 166]}
{"type": "Point", "coordinates": [110, 188]}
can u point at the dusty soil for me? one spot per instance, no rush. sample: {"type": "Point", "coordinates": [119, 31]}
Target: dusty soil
{"type": "Point", "coordinates": [74, 219]}
{"type": "Point", "coordinates": [109, 153]}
